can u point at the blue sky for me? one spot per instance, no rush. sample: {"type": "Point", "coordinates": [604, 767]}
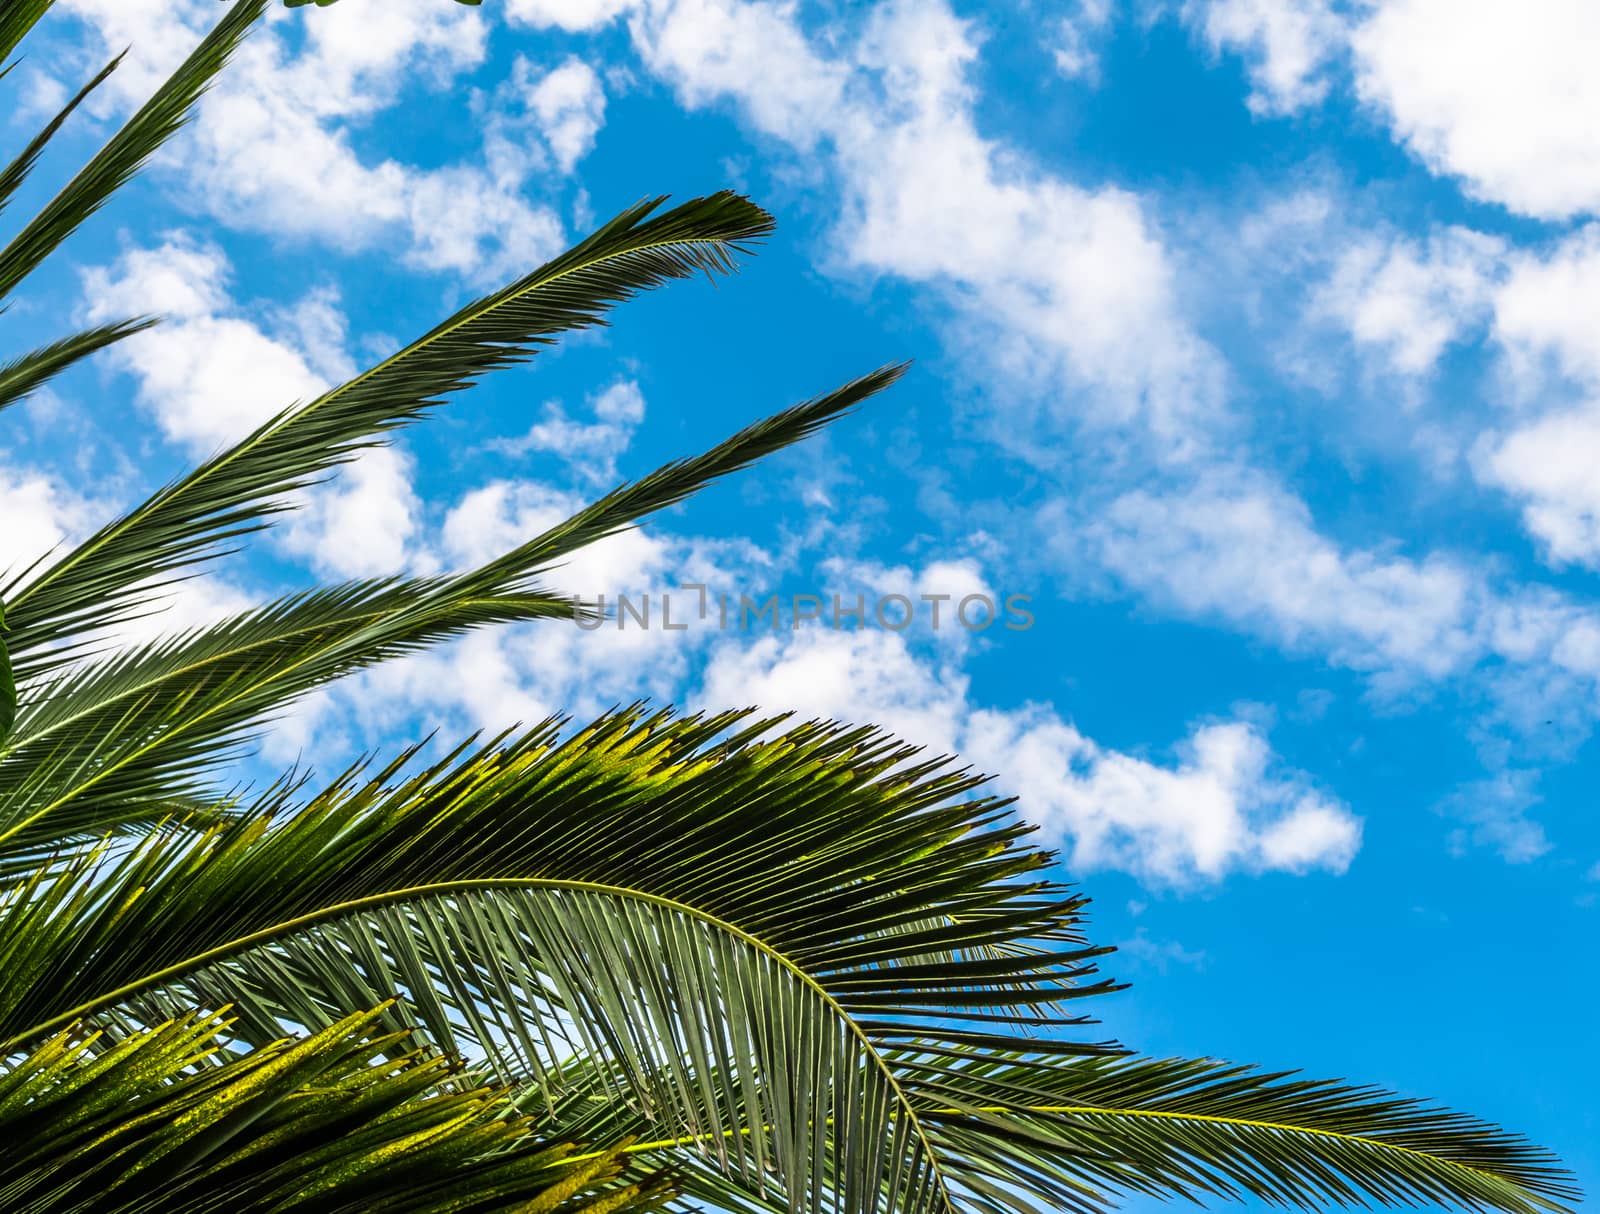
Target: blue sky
{"type": "Point", "coordinates": [1257, 341]}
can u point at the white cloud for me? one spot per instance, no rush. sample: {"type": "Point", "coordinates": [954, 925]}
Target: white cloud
{"type": "Point", "coordinates": [271, 150]}
{"type": "Point", "coordinates": [1075, 51]}
{"type": "Point", "coordinates": [1550, 466]}
{"type": "Point", "coordinates": [570, 104]}
{"type": "Point", "coordinates": [209, 375]}
{"type": "Point", "coordinates": [1237, 549]}
{"type": "Point", "coordinates": [1496, 809]}
{"type": "Point", "coordinates": [1501, 96]}
{"type": "Point", "coordinates": [591, 449]}
{"type": "Point", "coordinates": [1412, 299]}
{"type": "Point", "coordinates": [1223, 806]}
{"type": "Point", "coordinates": [855, 675]}
{"type": "Point", "coordinates": [1288, 45]}
{"type": "Point", "coordinates": [364, 523]}
{"type": "Point", "coordinates": [41, 515]}
{"type": "Point", "coordinates": [1547, 326]}
{"type": "Point", "coordinates": [571, 15]}
{"type": "Point", "coordinates": [1547, 313]}
{"type": "Point", "coordinates": [1049, 280]}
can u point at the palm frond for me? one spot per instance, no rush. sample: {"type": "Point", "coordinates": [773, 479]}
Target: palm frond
{"type": "Point", "coordinates": [789, 837]}
{"type": "Point", "coordinates": [712, 910]}
{"type": "Point", "coordinates": [1202, 1128]}
{"type": "Point", "coordinates": [810, 960]}
{"type": "Point", "coordinates": [321, 1124]}
{"type": "Point", "coordinates": [8, 684]}
{"type": "Point", "coordinates": [126, 152]}
{"type": "Point", "coordinates": [100, 742]}
{"type": "Point", "coordinates": [22, 375]}
{"type": "Point", "coordinates": [107, 578]}
{"type": "Point", "coordinates": [15, 173]}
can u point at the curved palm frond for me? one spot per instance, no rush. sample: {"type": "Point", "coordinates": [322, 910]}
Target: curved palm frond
{"type": "Point", "coordinates": [156, 1122]}
{"type": "Point", "coordinates": [668, 941]}
{"type": "Point", "coordinates": [1033, 1133]}
{"type": "Point", "coordinates": [8, 683]}
{"type": "Point", "coordinates": [111, 575]}
{"type": "Point", "coordinates": [824, 966]}
{"type": "Point", "coordinates": [1203, 1128]}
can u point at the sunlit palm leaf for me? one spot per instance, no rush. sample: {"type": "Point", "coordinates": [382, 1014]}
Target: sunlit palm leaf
{"type": "Point", "coordinates": [794, 952]}
{"type": "Point", "coordinates": [153, 1123]}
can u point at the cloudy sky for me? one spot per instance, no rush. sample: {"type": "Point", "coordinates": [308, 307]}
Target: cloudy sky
{"type": "Point", "coordinates": [1257, 344]}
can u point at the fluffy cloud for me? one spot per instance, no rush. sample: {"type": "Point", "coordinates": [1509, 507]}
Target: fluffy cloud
{"type": "Point", "coordinates": [591, 448]}
{"type": "Point", "coordinates": [1238, 549]}
{"type": "Point", "coordinates": [1049, 279]}
{"type": "Point", "coordinates": [1075, 50]}
{"type": "Point", "coordinates": [570, 105]}
{"type": "Point", "coordinates": [1501, 97]}
{"type": "Point", "coordinates": [1498, 98]}
{"type": "Point", "coordinates": [1411, 299]}
{"type": "Point", "coordinates": [1549, 466]}
{"type": "Point", "coordinates": [210, 374]}
{"type": "Point", "coordinates": [282, 117]}
{"type": "Point", "coordinates": [41, 515]}
{"type": "Point", "coordinates": [1288, 45]}
{"type": "Point", "coordinates": [1223, 806]}
{"type": "Point", "coordinates": [1547, 313]}
{"type": "Point", "coordinates": [571, 15]}
{"type": "Point", "coordinates": [1547, 325]}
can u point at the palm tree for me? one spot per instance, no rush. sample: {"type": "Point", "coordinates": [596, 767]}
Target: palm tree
{"type": "Point", "coordinates": [746, 963]}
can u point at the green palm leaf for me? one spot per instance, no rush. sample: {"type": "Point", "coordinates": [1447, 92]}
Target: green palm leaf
{"type": "Point", "coordinates": [22, 375]}
{"type": "Point", "coordinates": [8, 685]}
{"type": "Point", "coordinates": [17, 17]}
{"type": "Point", "coordinates": [820, 965]}
{"type": "Point", "coordinates": [15, 173]}
{"type": "Point", "coordinates": [111, 575]}
{"type": "Point", "coordinates": [152, 1123]}
{"type": "Point", "coordinates": [1208, 1129]}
